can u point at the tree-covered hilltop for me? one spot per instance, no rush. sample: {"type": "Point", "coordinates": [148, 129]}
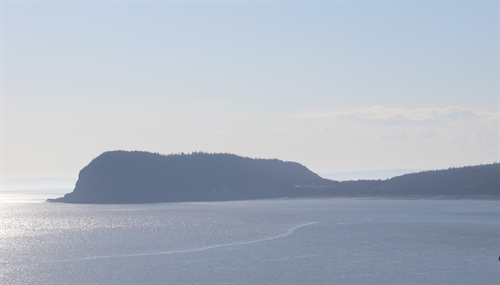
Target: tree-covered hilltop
{"type": "Point", "coordinates": [142, 177]}
{"type": "Point", "coordinates": [462, 181]}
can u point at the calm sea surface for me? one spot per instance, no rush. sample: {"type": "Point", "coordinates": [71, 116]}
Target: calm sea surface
{"type": "Point", "coordinates": [333, 241]}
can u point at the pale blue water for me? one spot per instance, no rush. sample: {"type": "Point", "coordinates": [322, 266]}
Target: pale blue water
{"type": "Point", "coordinates": [334, 241]}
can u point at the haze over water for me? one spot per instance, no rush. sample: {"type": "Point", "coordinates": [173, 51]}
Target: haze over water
{"type": "Point", "coordinates": [332, 241]}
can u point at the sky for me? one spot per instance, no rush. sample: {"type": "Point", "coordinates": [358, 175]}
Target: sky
{"type": "Point", "coordinates": [338, 86]}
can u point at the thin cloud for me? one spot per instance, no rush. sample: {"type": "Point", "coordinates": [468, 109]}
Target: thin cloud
{"type": "Point", "coordinates": [381, 114]}
{"type": "Point", "coordinates": [218, 133]}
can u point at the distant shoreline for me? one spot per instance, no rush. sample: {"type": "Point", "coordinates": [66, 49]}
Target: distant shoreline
{"type": "Point", "coordinates": [389, 197]}
{"type": "Point", "coordinates": [419, 197]}
{"type": "Point", "coordinates": [399, 197]}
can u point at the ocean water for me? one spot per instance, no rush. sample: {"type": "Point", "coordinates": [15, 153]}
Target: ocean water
{"type": "Point", "coordinates": [309, 241]}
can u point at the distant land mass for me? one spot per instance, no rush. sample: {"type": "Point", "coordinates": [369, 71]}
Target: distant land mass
{"type": "Point", "coordinates": [143, 177]}
{"type": "Point", "coordinates": [119, 177]}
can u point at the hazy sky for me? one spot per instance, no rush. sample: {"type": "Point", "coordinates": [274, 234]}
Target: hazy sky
{"type": "Point", "coordinates": [336, 86]}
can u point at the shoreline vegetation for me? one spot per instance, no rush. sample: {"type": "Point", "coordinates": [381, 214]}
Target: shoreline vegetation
{"type": "Point", "coordinates": [132, 177]}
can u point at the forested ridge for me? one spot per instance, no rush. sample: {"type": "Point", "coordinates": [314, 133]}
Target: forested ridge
{"type": "Point", "coordinates": [143, 177]}
{"type": "Point", "coordinates": [468, 180]}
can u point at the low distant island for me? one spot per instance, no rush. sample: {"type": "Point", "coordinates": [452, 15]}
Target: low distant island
{"type": "Point", "coordinates": [120, 177]}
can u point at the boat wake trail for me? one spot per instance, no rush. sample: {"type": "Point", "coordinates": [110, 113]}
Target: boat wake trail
{"type": "Point", "coordinates": [287, 233]}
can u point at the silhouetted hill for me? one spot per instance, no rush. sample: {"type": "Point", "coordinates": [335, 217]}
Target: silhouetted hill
{"type": "Point", "coordinates": [142, 177]}
{"type": "Point", "coordinates": [462, 181]}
